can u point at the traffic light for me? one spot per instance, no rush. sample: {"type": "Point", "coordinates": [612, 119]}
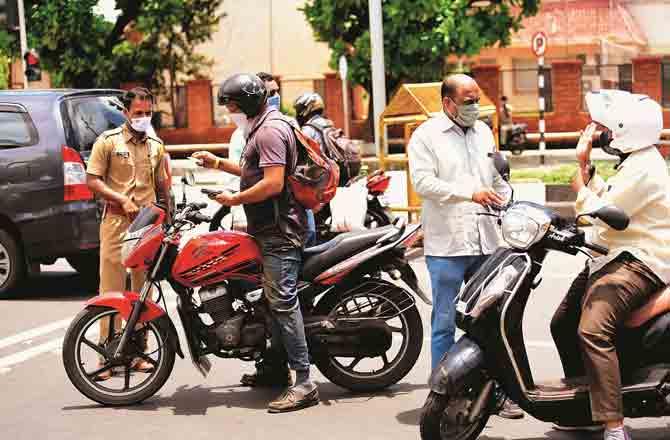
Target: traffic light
{"type": "Point", "coordinates": [33, 70]}
{"type": "Point", "coordinates": [9, 15]}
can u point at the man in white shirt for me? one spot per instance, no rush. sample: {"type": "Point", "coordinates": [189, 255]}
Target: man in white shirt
{"type": "Point", "coordinates": [450, 169]}
{"type": "Point", "coordinates": [638, 263]}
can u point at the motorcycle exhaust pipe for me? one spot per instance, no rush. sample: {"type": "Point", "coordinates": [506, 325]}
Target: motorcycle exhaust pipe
{"type": "Point", "coordinates": [483, 397]}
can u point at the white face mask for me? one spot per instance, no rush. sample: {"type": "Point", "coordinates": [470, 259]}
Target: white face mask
{"type": "Point", "coordinates": [239, 119]}
{"type": "Point", "coordinates": [141, 125]}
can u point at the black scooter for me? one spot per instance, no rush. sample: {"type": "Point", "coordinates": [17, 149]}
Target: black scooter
{"type": "Point", "coordinates": [490, 361]}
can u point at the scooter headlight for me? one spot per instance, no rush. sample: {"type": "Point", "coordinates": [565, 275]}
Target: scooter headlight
{"type": "Point", "coordinates": [524, 225]}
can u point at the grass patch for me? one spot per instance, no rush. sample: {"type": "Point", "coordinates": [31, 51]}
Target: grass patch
{"type": "Point", "coordinates": [561, 174]}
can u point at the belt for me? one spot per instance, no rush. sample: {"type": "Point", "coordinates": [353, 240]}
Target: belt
{"type": "Point", "coordinates": [114, 209]}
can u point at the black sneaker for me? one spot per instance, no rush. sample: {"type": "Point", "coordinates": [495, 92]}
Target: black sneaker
{"type": "Point", "coordinates": [294, 399]}
{"type": "Point", "coordinates": [268, 377]}
{"type": "Point", "coordinates": [511, 410]}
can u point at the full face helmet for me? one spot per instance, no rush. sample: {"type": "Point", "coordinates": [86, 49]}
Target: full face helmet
{"type": "Point", "coordinates": [633, 121]}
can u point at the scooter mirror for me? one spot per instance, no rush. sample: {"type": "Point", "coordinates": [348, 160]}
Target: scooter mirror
{"type": "Point", "coordinates": [612, 216]}
{"type": "Point", "coordinates": [501, 165]}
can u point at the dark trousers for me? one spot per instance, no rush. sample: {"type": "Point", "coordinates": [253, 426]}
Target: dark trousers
{"type": "Point", "coordinates": [587, 321]}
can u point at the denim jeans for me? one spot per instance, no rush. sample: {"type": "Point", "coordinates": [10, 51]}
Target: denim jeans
{"type": "Point", "coordinates": [281, 267]}
{"type": "Point", "coordinates": [311, 229]}
{"type": "Point", "coordinates": [447, 274]}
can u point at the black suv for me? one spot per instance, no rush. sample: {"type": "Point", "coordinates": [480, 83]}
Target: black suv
{"type": "Point", "coordinates": [46, 209]}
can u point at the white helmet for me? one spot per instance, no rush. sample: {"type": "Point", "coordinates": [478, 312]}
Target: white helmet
{"type": "Point", "coordinates": [636, 121]}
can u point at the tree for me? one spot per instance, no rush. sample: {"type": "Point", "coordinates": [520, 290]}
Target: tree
{"type": "Point", "coordinates": [79, 48]}
{"type": "Point", "coordinates": [418, 34]}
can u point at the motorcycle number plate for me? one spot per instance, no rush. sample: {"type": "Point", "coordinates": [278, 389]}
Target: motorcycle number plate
{"type": "Point", "coordinates": [383, 200]}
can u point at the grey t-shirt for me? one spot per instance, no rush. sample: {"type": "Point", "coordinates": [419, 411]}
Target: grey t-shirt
{"type": "Point", "coordinates": [272, 143]}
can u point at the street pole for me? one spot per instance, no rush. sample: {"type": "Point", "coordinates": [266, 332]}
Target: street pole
{"type": "Point", "coordinates": [24, 40]}
{"type": "Point", "coordinates": [541, 105]}
{"type": "Point", "coordinates": [378, 76]}
{"type": "Point", "coordinates": [345, 93]}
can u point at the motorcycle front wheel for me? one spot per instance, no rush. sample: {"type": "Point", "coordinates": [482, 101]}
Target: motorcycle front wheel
{"type": "Point", "coordinates": [447, 418]}
{"type": "Point", "coordinates": [88, 347]}
{"type": "Point", "coordinates": [365, 374]}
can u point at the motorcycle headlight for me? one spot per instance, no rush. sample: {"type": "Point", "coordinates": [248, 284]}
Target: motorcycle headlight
{"type": "Point", "coordinates": [524, 225]}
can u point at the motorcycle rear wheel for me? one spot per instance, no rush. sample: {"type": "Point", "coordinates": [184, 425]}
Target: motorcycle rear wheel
{"type": "Point", "coordinates": [438, 424]}
{"type": "Point", "coordinates": [85, 381]}
{"type": "Point", "coordinates": [393, 371]}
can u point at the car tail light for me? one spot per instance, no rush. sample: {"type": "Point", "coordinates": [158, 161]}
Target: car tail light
{"type": "Point", "coordinates": [74, 176]}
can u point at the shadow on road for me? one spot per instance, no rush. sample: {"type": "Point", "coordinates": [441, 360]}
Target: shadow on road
{"type": "Point", "coordinates": [55, 286]}
{"type": "Point", "coordinates": [197, 400]}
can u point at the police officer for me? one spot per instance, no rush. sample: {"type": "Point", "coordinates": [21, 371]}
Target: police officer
{"type": "Point", "coordinates": [125, 169]}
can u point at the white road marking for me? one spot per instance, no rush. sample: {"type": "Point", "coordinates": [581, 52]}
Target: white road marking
{"type": "Point", "coordinates": [54, 345]}
{"type": "Point", "coordinates": [35, 332]}
{"type": "Point", "coordinates": [22, 356]}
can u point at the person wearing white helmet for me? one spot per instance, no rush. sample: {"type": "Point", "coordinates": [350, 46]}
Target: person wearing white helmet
{"type": "Point", "coordinates": [637, 266]}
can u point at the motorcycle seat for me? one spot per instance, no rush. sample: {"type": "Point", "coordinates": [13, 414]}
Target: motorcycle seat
{"type": "Point", "coordinates": [319, 258]}
{"type": "Point", "coordinates": [654, 337]}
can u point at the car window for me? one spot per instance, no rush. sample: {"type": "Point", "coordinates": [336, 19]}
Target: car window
{"type": "Point", "coordinates": [90, 116]}
{"type": "Point", "coordinates": [16, 130]}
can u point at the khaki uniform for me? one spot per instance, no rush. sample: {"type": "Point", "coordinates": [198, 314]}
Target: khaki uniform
{"type": "Point", "coordinates": [132, 167]}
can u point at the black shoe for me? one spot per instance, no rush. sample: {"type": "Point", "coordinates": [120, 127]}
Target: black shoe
{"type": "Point", "coordinates": [588, 428]}
{"type": "Point", "coordinates": [294, 399]}
{"type": "Point", "coordinates": [266, 376]}
{"type": "Point", "coordinates": [511, 410]}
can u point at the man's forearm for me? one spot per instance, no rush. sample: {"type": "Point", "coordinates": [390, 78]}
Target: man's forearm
{"type": "Point", "coordinates": [100, 188]}
{"type": "Point", "coordinates": [261, 191]}
{"type": "Point", "coordinates": [229, 166]}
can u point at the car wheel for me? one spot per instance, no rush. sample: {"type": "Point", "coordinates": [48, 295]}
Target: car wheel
{"type": "Point", "coordinates": [12, 264]}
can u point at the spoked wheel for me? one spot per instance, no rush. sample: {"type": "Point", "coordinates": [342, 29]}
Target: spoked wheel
{"type": "Point", "coordinates": [88, 350]}
{"type": "Point", "coordinates": [448, 418]}
{"type": "Point", "coordinates": [373, 373]}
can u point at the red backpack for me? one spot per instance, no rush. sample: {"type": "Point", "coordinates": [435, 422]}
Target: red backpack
{"type": "Point", "coordinates": [315, 178]}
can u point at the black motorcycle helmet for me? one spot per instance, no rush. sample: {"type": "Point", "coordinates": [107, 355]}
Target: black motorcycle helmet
{"type": "Point", "coordinates": [246, 90]}
{"type": "Point", "coordinates": [308, 105]}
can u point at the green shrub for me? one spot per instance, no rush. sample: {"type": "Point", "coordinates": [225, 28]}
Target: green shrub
{"type": "Point", "coordinates": [561, 174]}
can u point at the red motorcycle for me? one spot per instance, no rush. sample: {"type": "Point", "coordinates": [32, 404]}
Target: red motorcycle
{"type": "Point", "coordinates": [364, 332]}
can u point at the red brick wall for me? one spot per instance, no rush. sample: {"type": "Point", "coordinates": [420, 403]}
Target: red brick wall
{"type": "Point", "coordinates": [488, 78]}
{"type": "Point", "coordinates": [333, 100]}
{"type": "Point", "coordinates": [185, 136]}
{"type": "Point", "coordinates": [199, 104]}
{"type": "Point", "coordinates": [201, 128]}
{"type": "Point", "coordinates": [567, 114]}
{"type": "Point", "coordinates": [131, 85]}
{"type": "Point", "coordinates": [647, 77]}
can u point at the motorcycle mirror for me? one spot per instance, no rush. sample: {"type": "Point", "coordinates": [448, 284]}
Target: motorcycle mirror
{"type": "Point", "coordinates": [501, 165]}
{"type": "Point", "coordinates": [612, 216]}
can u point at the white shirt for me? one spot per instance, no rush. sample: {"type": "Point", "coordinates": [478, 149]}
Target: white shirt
{"type": "Point", "coordinates": [641, 189]}
{"type": "Point", "coordinates": [446, 167]}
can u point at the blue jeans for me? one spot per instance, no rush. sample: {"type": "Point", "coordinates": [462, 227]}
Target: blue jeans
{"type": "Point", "coordinates": [311, 229]}
{"type": "Point", "coordinates": [281, 268]}
{"type": "Point", "coordinates": [447, 274]}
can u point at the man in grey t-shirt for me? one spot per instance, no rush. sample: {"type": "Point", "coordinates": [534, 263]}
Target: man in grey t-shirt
{"type": "Point", "coordinates": [277, 222]}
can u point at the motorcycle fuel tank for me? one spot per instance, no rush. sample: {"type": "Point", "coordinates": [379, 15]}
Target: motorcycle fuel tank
{"type": "Point", "coordinates": [215, 256]}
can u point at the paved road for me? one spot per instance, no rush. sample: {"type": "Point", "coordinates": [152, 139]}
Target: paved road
{"type": "Point", "coordinates": [37, 400]}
